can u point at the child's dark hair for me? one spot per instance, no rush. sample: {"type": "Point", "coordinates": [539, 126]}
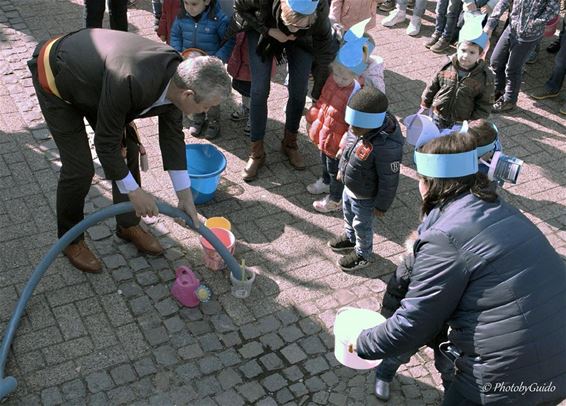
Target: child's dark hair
{"type": "Point", "coordinates": [483, 131]}
{"type": "Point", "coordinates": [443, 190]}
{"type": "Point", "coordinates": [369, 100]}
{"type": "Point", "coordinates": [473, 44]}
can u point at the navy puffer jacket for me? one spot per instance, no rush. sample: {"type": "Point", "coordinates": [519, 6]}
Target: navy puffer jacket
{"type": "Point", "coordinates": [206, 34]}
{"type": "Point", "coordinates": [489, 273]}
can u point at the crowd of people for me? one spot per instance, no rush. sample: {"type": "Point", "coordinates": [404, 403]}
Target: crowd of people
{"type": "Point", "coordinates": [479, 282]}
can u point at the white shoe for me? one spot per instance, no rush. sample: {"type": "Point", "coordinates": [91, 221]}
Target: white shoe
{"type": "Point", "coordinates": [414, 26]}
{"type": "Point", "coordinates": [318, 187]}
{"type": "Point", "coordinates": [325, 205]}
{"type": "Point", "coordinates": [395, 17]}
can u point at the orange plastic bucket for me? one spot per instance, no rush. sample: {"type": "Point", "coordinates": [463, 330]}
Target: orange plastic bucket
{"type": "Point", "coordinates": [212, 259]}
{"type": "Point", "coordinates": [218, 222]}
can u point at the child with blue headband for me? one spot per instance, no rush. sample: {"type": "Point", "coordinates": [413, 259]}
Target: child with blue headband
{"type": "Point", "coordinates": [369, 168]}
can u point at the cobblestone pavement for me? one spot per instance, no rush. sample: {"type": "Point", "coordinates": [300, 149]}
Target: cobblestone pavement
{"type": "Point", "coordinates": [120, 338]}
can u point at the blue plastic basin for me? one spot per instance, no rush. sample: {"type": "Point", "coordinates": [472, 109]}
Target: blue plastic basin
{"type": "Point", "coordinates": [205, 164]}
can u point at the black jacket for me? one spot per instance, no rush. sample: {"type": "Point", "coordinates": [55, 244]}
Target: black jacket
{"type": "Point", "coordinates": [375, 173]}
{"type": "Point", "coordinates": [261, 15]}
{"type": "Point", "coordinates": [489, 273]}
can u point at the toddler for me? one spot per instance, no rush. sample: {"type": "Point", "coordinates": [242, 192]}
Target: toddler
{"type": "Point", "coordinates": [463, 89]}
{"type": "Point", "coordinates": [202, 24]}
{"type": "Point", "coordinates": [369, 169]}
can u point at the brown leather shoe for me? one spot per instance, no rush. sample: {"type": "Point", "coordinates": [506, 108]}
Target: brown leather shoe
{"type": "Point", "coordinates": [144, 241]}
{"type": "Point", "coordinates": [290, 148]}
{"type": "Point", "coordinates": [82, 258]}
{"type": "Point", "coordinates": [256, 161]}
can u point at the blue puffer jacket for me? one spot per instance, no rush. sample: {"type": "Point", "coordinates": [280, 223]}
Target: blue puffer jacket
{"type": "Point", "coordinates": [489, 273]}
{"type": "Point", "coordinates": [369, 167]}
{"type": "Point", "coordinates": [205, 34]}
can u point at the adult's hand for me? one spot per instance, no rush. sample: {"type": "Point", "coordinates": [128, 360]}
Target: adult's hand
{"type": "Point", "coordinates": [280, 35]}
{"type": "Point", "coordinates": [188, 206]}
{"type": "Point", "coordinates": [470, 7]}
{"type": "Point", "coordinates": [143, 202]}
{"type": "Point", "coordinates": [486, 9]}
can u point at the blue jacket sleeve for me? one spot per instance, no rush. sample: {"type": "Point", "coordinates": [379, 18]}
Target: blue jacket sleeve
{"type": "Point", "coordinates": [226, 49]}
{"type": "Point", "coordinates": [387, 164]}
{"type": "Point", "coordinates": [177, 36]}
{"type": "Point", "coordinates": [440, 276]}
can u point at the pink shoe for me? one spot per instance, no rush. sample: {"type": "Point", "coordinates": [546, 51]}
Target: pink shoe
{"type": "Point", "coordinates": [325, 205]}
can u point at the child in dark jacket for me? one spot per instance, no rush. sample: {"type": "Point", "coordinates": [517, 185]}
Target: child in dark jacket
{"type": "Point", "coordinates": [369, 169]}
{"type": "Point", "coordinates": [463, 89]}
{"type": "Point", "coordinates": [202, 24]}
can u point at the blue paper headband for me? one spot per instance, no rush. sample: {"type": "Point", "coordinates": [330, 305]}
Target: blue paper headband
{"type": "Point", "coordinates": [305, 7]}
{"type": "Point", "coordinates": [447, 165]}
{"type": "Point", "coordinates": [355, 48]}
{"type": "Point", "coordinates": [484, 149]}
{"type": "Point", "coordinates": [361, 119]}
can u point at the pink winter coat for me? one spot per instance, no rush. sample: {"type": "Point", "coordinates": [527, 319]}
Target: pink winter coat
{"type": "Point", "coordinates": [350, 12]}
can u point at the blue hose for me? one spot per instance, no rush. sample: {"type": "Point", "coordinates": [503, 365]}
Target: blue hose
{"type": "Point", "coordinates": [8, 384]}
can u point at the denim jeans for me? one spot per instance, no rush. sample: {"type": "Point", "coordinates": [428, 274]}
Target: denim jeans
{"type": "Point", "coordinates": [507, 61]}
{"type": "Point", "coordinates": [299, 62]}
{"type": "Point", "coordinates": [94, 14]}
{"type": "Point", "coordinates": [388, 367]}
{"type": "Point", "coordinates": [418, 10]}
{"type": "Point", "coordinates": [556, 79]}
{"type": "Point", "coordinates": [447, 15]}
{"type": "Point", "coordinates": [358, 219]}
{"type": "Point", "coordinates": [329, 172]}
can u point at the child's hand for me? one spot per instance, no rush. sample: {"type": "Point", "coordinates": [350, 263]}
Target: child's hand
{"type": "Point", "coordinates": [486, 9]}
{"type": "Point", "coordinates": [378, 213]}
{"type": "Point", "coordinates": [339, 176]}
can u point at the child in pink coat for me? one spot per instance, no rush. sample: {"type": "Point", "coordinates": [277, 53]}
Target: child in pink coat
{"type": "Point", "coordinates": [349, 12]}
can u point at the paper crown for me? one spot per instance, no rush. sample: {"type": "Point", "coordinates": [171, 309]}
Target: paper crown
{"type": "Point", "coordinates": [305, 7]}
{"type": "Point", "coordinates": [356, 48]}
{"type": "Point", "coordinates": [472, 30]}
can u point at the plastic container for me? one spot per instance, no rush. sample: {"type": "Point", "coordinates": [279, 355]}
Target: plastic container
{"type": "Point", "coordinates": [550, 28]}
{"type": "Point", "coordinates": [418, 125]}
{"type": "Point", "coordinates": [242, 289]}
{"type": "Point", "coordinates": [348, 325]}
{"type": "Point", "coordinates": [185, 287]}
{"type": "Point", "coordinates": [205, 164]}
{"type": "Point", "coordinates": [218, 222]}
{"type": "Point", "coordinates": [212, 259]}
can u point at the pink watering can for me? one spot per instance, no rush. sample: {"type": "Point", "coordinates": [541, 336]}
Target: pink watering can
{"type": "Point", "coordinates": [187, 289]}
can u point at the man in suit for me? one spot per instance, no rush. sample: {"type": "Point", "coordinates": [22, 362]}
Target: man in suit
{"type": "Point", "coordinates": [110, 78]}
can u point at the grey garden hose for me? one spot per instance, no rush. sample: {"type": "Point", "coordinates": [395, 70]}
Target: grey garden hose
{"type": "Point", "coordinates": [8, 384]}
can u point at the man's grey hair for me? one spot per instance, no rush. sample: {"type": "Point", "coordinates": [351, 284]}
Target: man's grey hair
{"type": "Point", "coordinates": [204, 75]}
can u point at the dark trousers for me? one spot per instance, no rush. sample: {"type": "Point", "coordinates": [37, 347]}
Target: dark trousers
{"type": "Point", "coordinates": [299, 62]}
{"type": "Point", "coordinates": [329, 173]}
{"type": "Point", "coordinates": [507, 61]}
{"type": "Point", "coordinates": [555, 81]}
{"type": "Point", "coordinates": [118, 11]}
{"type": "Point", "coordinates": [66, 125]}
{"type": "Point", "coordinates": [452, 397]}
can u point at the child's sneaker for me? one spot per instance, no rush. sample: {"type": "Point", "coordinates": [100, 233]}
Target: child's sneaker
{"type": "Point", "coordinates": [240, 114]}
{"type": "Point", "coordinates": [212, 130]}
{"type": "Point", "coordinates": [195, 127]}
{"type": "Point", "coordinates": [395, 17]}
{"type": "Point", "coordinates": [326, 205]}
{"type": "Point", "coordinates": [318, 187]}
{"type": "Point", "coordinates": [352, 262]}
{"type": "Point", "coordinates": [341, 243]}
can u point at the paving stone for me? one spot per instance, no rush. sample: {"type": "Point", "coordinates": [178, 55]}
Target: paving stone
{"type": "Point", "coordinates": [330, 378]}
{"type": "Point", "coordinates": [230, 398]}
{"type": "Point", "coordinates": [141, 305]}
{"type": "Point", "coordinates": [272, 341]}
{"type": "Point", "coordinates": [207, 386]}
{"type": "Point", "coordinates": [287, 316]}
{"type": "Point", "coordinates": [98, 399]}
{"type": "Point", "coordinates": [122, 274]}
{"type": "Point", "coordinates": [312, 345]}
{"type": "Point", "coordinates": [284, 396]}
{"type": "Point", "coordinates": [116, 309]}
{"type": "Point", "coordinates": [267, 402]}
{"type": "Point", "coordinates": [145, 367]}
{"type": "Point", "coordinates": [250, 330]}
{"type": "Point", "coordinates": [157, 292]}
{"type": "Point", "coordinates": [274, 382]}
{"type": "Point", "coordinates": [174, 324]}
{"type": "Point", "coordinates": [114, 261]}
{"type": "Point", "coordinates": [252, 391]}
{"type": "Point", "coordinates": [271, 361]}
{"type": "Point", "coordinates": [290, 333]}
{"type": "Point", "coordinates": [137, 264]}
{"type": "Point", "coordinates": [132, 340]}
{"type": "Point", "coordinates": [98, 381]}
{"type": "Point", "coordinates": [229, 357]}
{"type": "Point", "coordinates": [74, 389]}
{"type": "Point", "coordinates": [69, 321]}
{"type": "Point", "coordinates": [210, 343]}
{"type": "Point", "coordinates": [268, 324]}
{"type": "Point", "coordinates": [251, 369]}
{"type": "Point", "coordinates": [299, 389]}
{"type": "Point", "coordinates": [187, 372]}
{"type": "Point", "coordinates": [210, 364]}
{"type": "Point", "coordinates": [316, 365]}
{"type": "Point", "coordinates": [167, 307]}
{"type": "Point", "coordinates": [192, 314]}
{"type": "Point", "coordinates": [190, 351]}
{"type": "Point", "coordinates": [123, 374]}
{"type": "Point", "coordinates": [251, 350]}
{"type": "Point", "coordinates": [182, 395]}
{"type": "Point", "coordinates": [121, 396]}
{"type": "Point", "coordinates": [51, 396]}
{"type": "Point", "coordinates": [155, 336]}
{"type": "Point", "coordinates": [315, 384]}
{"type": "Point", "coordinates": [197, 328]}
{"type": "Point", "coordinates": [229, 378]}
{"type": "Point", "coordinates": [293, 353]}
{"type": "Point", "coordinates": [293, 373]}
{"type": "Point", "coordinates": [165, 355]}
{"type": "Point", "coordinates": [222, 323]}
{"type": "Point", "coordinates": [337, 399]}
{"type": "Point", "coordinates": [321, 397]}
{"type": "Point", "coordinates": [211, 307]}
{"type": "Point", "coordinates": [231, 339]}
